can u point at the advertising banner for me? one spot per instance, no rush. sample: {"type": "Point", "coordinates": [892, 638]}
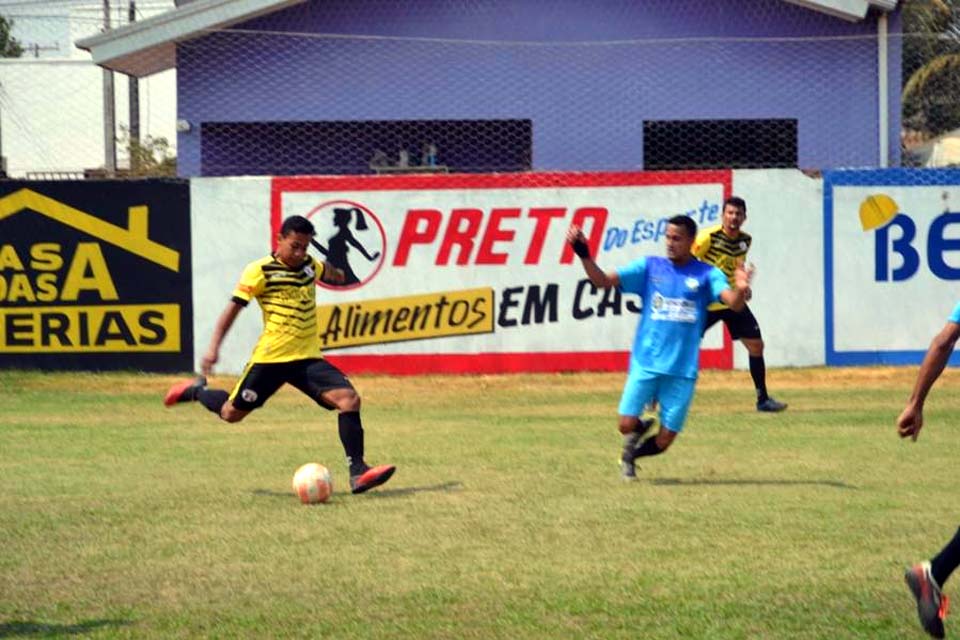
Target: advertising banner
{"type": "Point", "coordinates": [95, 275]}
{"type": "Point", "coordinates": [891, 262]}
{"type": "Point", "coordinates": [471, 273]}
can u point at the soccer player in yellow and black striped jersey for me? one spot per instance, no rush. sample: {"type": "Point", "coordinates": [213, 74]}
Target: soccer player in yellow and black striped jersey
{"type": "Point", "coordinates": [725, 246]}
{"type": "Point", "coordinates": [288, 351]}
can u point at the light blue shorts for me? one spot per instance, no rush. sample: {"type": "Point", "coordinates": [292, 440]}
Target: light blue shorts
{"type": "Point", "coordinates": [673, 393]}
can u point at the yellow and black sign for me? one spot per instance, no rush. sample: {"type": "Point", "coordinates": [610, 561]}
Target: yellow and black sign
{"type": "Point", "coordinates": [96, 275]}
{"type": "Point", "coordinates": [434, 315]}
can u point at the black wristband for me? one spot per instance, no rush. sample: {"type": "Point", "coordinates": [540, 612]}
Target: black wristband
{"type": "Point", "coordinates": [581, 248]}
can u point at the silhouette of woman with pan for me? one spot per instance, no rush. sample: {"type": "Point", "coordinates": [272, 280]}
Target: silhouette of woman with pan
{"type": "Point", "coordinates": [339, 244]}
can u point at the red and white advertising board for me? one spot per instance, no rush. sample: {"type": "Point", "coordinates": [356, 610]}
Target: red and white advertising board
{"type": "Point", "coordinates": [471, 274]}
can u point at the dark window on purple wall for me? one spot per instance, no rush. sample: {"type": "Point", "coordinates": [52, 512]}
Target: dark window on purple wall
{"type": "Point", "coordinates": [345, 147]}
{"type": "Point", "coordinates": [719, 144]}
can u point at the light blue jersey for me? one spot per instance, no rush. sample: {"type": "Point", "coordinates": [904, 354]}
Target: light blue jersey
{"type": "Point", "coordinates": [675, 300]}
{"type": "Point", "coordinates": [955, 316]}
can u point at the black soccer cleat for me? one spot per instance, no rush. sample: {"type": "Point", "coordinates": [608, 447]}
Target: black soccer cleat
{"type": "Point", "coordinates": [185, 391]}
{"type": "Point", "coordinates": [771, 406]}
{"type": "Point", "coordinates": [628, 467]}
{"type": "Point", "coordinates": [931, 604]}
{"type": "Point", "coordinates": [371, 477]}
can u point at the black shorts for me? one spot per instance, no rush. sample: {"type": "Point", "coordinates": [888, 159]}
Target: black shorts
{"type": "Point", "coordinates": [262, 379]}
{"type": "Point", "coordinates": [740, 324]}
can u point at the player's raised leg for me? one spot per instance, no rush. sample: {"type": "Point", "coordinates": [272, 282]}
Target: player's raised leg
{"type": "Point", "coordinates": [184, 391]}
{"type": "Point", "coordinates": [254, 387]}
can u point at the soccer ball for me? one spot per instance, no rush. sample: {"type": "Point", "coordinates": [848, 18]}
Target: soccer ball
{"type": "Point", "coordinates": [312, 483]}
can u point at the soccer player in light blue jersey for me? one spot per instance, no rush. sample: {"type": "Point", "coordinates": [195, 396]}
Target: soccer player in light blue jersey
{"type": "Point", "coordinates": [676, 291]}
{"type": "Point", "coordinates": [926, 578]}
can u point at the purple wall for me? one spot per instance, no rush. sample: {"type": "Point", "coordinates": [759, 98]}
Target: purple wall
{"type": "Point", "coordinates": [587, 101]}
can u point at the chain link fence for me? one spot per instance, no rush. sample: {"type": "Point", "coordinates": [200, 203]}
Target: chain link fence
{"type": "Point", "coordinates": [315, 89]}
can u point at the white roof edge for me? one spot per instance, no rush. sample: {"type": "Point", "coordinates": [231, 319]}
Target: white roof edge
{"type": "Point", "coordinates": [148, 46]}
{"type": "Point", "coordinates": [130, 48]}
{"type": "Point", "coordinates": [854, 10]}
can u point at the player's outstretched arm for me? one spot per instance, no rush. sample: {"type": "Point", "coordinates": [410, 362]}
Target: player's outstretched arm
{"type": "Point", "coordinates": [910, 420]}
{"type": "Point", "coordinates": [599, 278]}
{"type": "Point", "coordinates": [224, 322]}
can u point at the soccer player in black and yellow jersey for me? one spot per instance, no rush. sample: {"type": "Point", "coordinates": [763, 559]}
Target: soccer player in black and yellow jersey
{"type": "Point", "coordinates": [725, 246]}
{"type": "Point", "coordinates": [284, 285]}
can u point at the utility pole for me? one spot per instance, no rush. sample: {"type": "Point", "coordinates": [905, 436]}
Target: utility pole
{"type": "Point", "coordinates": [109, 115]}
{"type": "Point", "coordinates": [3, 161]}
{"type": "Point", "coordinates": [134, 98]}
{"type": "Point", "coordinates": [36, 48]}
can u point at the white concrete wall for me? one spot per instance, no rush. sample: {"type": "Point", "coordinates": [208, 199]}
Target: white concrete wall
{"type": "Point", "coordinates": [229, 227]}
{"type": "Point", "coordinates": [785, 218]}
{"type": "Point", "coordinates": [875, 319]}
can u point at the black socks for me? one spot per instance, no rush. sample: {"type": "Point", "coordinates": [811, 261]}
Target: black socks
{"type": "Point", "coordinates": [758, 371]}
{"type": "Point", "coordinates": [351, 436]}
{"type": "Point", "coordinates": [946, 561]}
{"type": "Point", "coordinates": [649, 448]}
{"type": "Point", "coordinates": [212, 399]}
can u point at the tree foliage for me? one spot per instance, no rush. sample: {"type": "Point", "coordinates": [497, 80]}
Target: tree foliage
{"type": "Point", "coordinates": [931, 65]}
{"type": "Point", "coordinates": [10, 47]}
{"type": "Point", "coordinates": [150, 156]}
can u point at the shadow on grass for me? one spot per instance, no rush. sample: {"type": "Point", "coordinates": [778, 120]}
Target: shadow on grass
{"type": "Point", "coordinates": [454, 485]}
{"type": "Point", "coordinates": [32, 629]}
{"type": "Point", "coordinates": [760, 482]}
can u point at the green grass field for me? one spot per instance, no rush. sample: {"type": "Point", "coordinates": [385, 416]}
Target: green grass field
{"type": "Point", "coordinates": [506, 519]}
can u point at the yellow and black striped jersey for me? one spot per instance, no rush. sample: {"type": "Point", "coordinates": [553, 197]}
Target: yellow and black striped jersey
{"type": "Point", "coordinates": [288, 298]}
{"type": "Point", "coordinates": [715, 247]}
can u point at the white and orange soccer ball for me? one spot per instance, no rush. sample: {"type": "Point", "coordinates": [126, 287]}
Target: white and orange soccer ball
{"type": "Point", "coordinates": [312, 483]}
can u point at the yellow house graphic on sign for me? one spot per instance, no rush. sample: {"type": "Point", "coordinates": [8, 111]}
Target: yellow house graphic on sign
{"type": "Point", "coordinates": [133, 238]}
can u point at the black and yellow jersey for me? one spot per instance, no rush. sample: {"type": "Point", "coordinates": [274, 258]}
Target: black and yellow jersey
{"type": "Point", "coordinates": [288, 298]}
{"type": "Point", "coordinates": [715, 247]}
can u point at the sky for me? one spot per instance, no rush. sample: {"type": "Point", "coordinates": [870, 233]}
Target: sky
{"type": "Point", "coordinates": [47, 28]}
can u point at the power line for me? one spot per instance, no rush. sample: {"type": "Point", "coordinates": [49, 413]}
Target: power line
{"type": "Point", "coordinates": [57, 16]}
{"type": "Point", "coordinates": [83, 5]}
{"type": "Point", "coordinates": [42, 3]}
